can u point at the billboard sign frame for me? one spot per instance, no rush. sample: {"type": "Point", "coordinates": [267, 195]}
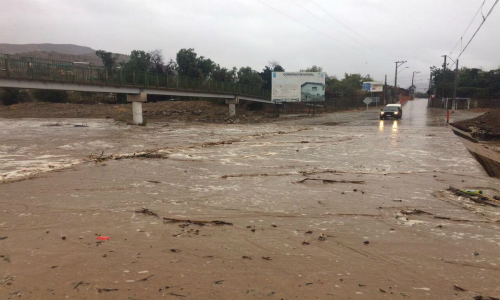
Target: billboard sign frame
{"type": "Point", "coordinates": [305, 87]}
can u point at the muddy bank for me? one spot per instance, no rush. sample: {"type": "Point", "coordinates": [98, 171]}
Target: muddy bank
{"type": "Point", "coordinates": [165, 111]}
{"type": "Point", "coordinates": [485, 127]}
{"type": "Point", "coordinates": [188, 111]}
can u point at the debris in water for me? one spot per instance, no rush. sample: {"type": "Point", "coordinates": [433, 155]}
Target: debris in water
{"type": "Point", "coordinates": [476, 253]}
{"type": "Point", "coordinates": [145, 278]}
{"type": "Point", "coordinates": [195, 222]}
{"type": "Point", "coordinates": [5, 258]}
{"type": "Point", "coordinates": [219, 281]}
{"type": "Point", "coordinates": [309, 232]}
{"type": "Point", "coordinates": [331, 181]}
{"type": "Point", "coordinates": [366, 242]}
{"type": "Point", "coordinates": [322, 237]}
{"type": "Point", "coordinates": [78, 284]}
{"type": "Point", "coordinates": [305, 243]}
{"type": "Point", "coordinates": [53, 124]}
{"type": "Point", "coordinates": [456, 287]}
{"type": "Point", "coordinates": [103, 238]}
{"type": "Point", "coordinates": [246, 257]}
{"type": "Point", "coordinates": [414, 212]}
{"type": "Point", "coordinates": [3, 238]}
{"type": "Point", "coordinates": [477, 198]}
{"type": "Point", "coordinates": [103, 290]}
{"type": "Point", "coordinates": [485, 298]}
{"type": "Point", "coordinates": [266, 258]}
{"type": "Point", "coordinates": [177, 295]}
{"type": "Point", "coordinates": [147, 212]}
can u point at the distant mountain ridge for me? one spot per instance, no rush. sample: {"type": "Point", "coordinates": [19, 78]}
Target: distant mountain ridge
{"type": "Point", "coordinates": [60, 48]}
{"type": "Point", "coordinates": [63, 52]}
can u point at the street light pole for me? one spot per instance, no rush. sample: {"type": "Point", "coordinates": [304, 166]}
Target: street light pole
{"type": "Point", "coordinates": [444, 73]}
{"type": "Point", "coordinates": [412, 88]}
{"type": "Point", "coordinates": [398, 64]}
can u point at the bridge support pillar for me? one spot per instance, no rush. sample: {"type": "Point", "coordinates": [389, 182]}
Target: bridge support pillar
{"type": "Point", "coordinates": [232, 105]}
{"type": "Point", "coordinates": [137, 106]}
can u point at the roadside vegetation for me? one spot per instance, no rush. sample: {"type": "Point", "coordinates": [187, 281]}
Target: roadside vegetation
{"type": "Point", "coordinates": [472, 83]}
{"type": "Point", "coordinates": [186, 63]}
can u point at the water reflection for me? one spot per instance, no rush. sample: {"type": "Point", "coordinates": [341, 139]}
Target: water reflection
{"type": "Point", "coordinates": [395, 126]}
{"type": "Point", "coordinates": [381, 126]}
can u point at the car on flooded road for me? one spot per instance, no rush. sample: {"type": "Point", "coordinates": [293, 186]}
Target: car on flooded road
{"type": "Point", "coordinates": [391, 111]}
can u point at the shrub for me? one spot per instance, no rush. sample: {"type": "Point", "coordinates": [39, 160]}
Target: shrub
{"type": "Point", "coordinates": [9, 96]}
{"type": "Point", "coordinates": [51, 96]}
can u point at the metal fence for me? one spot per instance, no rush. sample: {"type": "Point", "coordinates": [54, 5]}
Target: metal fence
{"type": "Point", "coordinates": [31, 68]}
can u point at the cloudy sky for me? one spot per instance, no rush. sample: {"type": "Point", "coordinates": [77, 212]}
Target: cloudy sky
{"type": "Point", "coordinates": [342, 36]}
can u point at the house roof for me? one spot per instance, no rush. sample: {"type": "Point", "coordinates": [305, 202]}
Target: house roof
{"type": "Point", "coordinates": [315, 83]}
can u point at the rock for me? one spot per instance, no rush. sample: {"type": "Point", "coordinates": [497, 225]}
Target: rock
{"type": "Point", "coordinates": [366, 242]}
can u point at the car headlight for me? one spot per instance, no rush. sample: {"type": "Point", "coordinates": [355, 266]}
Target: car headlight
{"type": "Point", "coordinates": [396, 113]}
{"type": "Point", "coordinates": [382, 113]}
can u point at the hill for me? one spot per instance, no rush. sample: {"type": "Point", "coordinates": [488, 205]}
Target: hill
{"type": "Point", "coordinates": [60, 48]}
{"type": "Point", "coordinates": [64, 52]}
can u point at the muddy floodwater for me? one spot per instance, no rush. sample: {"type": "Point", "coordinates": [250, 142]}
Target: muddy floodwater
{"type": "Point", "coordinates": [338, 206]}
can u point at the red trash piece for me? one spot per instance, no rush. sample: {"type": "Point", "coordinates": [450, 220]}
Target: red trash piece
{"type": "Point", "coordinates": [103, 238]}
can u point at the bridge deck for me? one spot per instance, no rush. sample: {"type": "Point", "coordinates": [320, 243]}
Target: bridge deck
{"type": "Point", "coordinates": [30, 72]}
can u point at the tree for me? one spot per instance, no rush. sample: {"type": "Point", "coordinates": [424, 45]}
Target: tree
{"type": "Point", "coordinates": [156, 63]}
{"type": "Point", "coordinates": [249, 77]}
{"type": "Point", "coordinates": [171, 68]}
{"type": "Point", "coordinates": [224, 74]}
{"type": "Point", "coordinates": [109, 60]}
{"type": "Point", "coordinates": [187, 63]}
{"type": "Point", "coordinates": [273, 66]}
{"type": "Point", "coordinates": [313, 69]}
{"type": "Point", "coordinates": [140, 61]}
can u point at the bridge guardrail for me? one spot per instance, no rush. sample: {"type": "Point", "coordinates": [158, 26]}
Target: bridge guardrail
{"type": "Point", "coordinates": [31, 68]}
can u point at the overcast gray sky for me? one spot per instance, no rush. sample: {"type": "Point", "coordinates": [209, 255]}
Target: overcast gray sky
{"type": "Point", "coordinates": [364, 36]}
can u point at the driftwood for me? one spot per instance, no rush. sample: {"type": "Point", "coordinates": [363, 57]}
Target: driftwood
{"type": "Point", "coordinates": [195, 222]}
{"type": "Point", "coordinates": [147, 212]}
{"type": "Point", "coordinates": [332, 181]}
{"type": "Point", "coordinates": [477, 199]}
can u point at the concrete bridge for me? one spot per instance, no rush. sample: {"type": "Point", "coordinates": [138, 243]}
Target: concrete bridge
{"type": "Point", "coordinates": [35, 73]}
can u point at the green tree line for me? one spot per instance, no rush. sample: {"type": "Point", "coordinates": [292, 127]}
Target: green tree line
{"type": "Point", "coordinates": [472, 83]}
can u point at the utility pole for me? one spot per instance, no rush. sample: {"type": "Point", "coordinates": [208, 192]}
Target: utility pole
{"type": "Point", "coordinates": [429, 92]}
{"type": "Point", "coordinates": [455, 87]}
{"type": "Point", "coordinates": [444, 74]}
{"type": "Point", "coordinates": [385, 89]}
{"type": "Point", "coordinates": [412, 87]}
{"type": "Point", "coordinates": [398, 64]}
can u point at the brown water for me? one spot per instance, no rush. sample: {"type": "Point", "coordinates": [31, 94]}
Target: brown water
{"type": "Point", "coordinates": [254, 180]}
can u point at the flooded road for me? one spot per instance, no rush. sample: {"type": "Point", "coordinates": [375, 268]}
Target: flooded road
{"type": "Point", "coordinates": [340, 206]}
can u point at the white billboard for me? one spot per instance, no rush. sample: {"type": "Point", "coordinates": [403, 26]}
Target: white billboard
{"type": "Point", "coordinates": [298, 86]}
{"type": "Point", "coordinates": [373, 86]}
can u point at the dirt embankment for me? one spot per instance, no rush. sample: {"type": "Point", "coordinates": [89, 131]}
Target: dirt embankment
{"type": "Point", "coordinates": [190, 111]}
{"type": "Point", "coordinates": [485, 127]}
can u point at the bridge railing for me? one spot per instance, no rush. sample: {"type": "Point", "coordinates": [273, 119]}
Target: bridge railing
{"type": "Point", "coordinates": [31, 68]}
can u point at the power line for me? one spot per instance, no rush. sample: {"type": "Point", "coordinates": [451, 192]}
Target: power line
{"type": "Point", "coordinates": [317, 17]}
{"type": "Point", "coordinates": [461, 37]}
{"type": "Point", "coordinates": [303, 24]}
{"type": "Point", "coordinates": [363, 38]}
{"type": "Point", "coordinates": [337, 20]}
{"type": "Point", "coordinates": [477, 30]}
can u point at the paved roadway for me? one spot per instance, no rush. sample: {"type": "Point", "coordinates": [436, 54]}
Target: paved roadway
{"type": "Point", "coordinates": [282, 186]}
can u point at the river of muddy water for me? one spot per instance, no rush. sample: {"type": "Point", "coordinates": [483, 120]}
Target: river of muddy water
{"type": "Point", "coordinates": [337, 206]}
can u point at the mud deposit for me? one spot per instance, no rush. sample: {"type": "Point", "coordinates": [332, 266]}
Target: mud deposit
{"type": "Point", "coordinates": [291, 210]}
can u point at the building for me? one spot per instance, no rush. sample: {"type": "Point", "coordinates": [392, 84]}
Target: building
{"type": "Point", "coordinates": [312, 91]}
